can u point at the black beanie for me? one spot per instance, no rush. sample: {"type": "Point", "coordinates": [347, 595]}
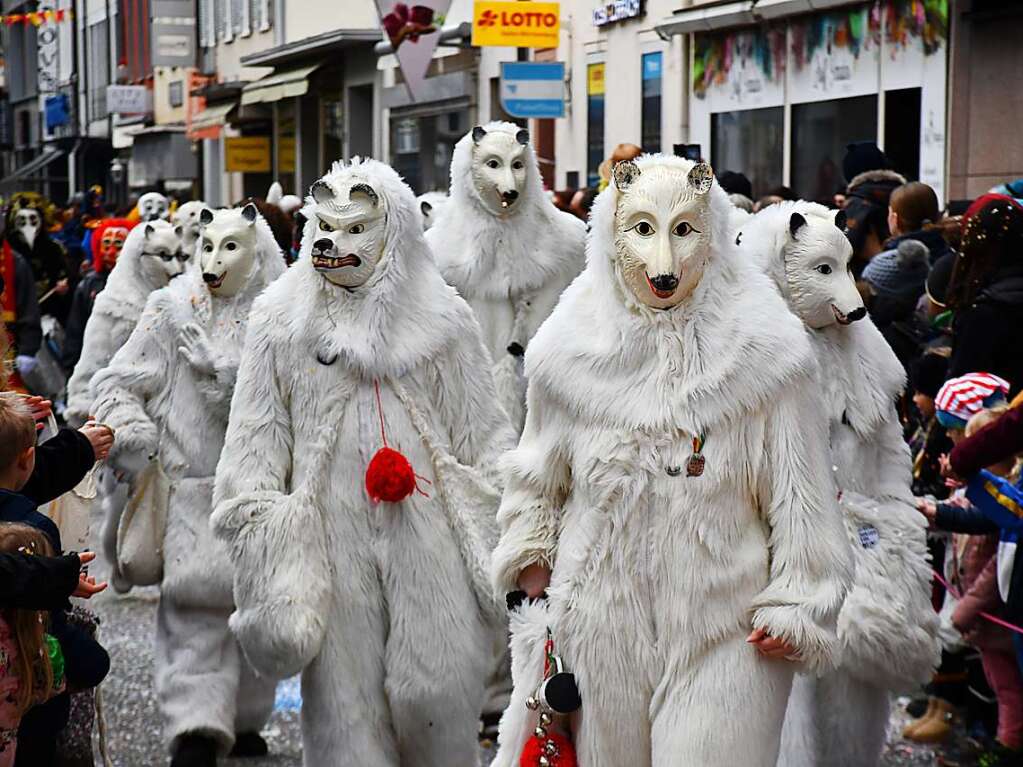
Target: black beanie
{"type": "Point", "coordinates": [862, 156]}
{"type": "Point", "coordinates": [735, 183]}
{"type": "Point", "coordinates": [939, 278]}
{"type": "Point", "coordinates": [927, 373]}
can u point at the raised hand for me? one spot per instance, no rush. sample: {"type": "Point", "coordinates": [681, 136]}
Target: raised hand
{"type": "Point", "coordinates": [195, 347]}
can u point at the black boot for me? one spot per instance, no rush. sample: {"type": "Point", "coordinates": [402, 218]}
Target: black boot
{"type": "Point", "coordinates": [195, 750]}
{"type": "Point", "coordinates": [248, 744]}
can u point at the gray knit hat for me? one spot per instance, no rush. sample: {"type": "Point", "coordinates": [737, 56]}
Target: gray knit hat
{"type": "Point", "coordinates": [899, 272]}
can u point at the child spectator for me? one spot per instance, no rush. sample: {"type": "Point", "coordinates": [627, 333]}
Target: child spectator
{"type": "Point", "coordinates": [24, 484]}
{"type": "Point", "coordinates": [31, 664]}
{"type": "Point", "coordinates": [928, 441]}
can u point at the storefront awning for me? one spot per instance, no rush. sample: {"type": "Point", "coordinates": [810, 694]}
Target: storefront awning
{"type": "Point", "coordinates": [282, 84]}
{"type": "Point", "coordinates": [708, 18]}
{"type": "Point", "coordinates": [33, 166]}
{"type": "Point", "coordinates": [213, 116]}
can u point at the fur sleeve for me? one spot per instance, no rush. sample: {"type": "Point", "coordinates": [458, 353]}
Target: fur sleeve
{"type": "Point", "coordinates": [257, 448]}
{"type": "Point", "coordinates": [477, 427]}
{"type": "Point", "coordinates": [104, 335]}
{"type": "Point", "coordinates": [136, 374]}
{"type": "Point", "coordinates": [810, 557]}
{"type": "Point", "coordinates": [894, 462]}
{"type": "Point", "coordinates": [537, 479]}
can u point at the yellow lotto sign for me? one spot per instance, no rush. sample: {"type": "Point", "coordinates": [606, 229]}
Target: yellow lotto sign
{"type": "Point", "coordinates": [516, 24]}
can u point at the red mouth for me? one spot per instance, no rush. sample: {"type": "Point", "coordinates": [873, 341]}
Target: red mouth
{"type": "Point", "coordinates": [660, 293]}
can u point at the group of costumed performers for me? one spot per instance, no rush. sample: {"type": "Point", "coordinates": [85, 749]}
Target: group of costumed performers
{"type": "Point", "coordinates": [609, 489]}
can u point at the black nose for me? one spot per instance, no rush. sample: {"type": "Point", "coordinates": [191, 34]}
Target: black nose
{"type": "Point", "coordinates": [856, 314]}
{"type": "Point", "coordinates": [323, 246]}
{"type": "Point", "coordinates": [664, 281]}
{"type": "Point", "coordinates": [208, 278]}
{"type": "Point", "coordinates": [510, 196]}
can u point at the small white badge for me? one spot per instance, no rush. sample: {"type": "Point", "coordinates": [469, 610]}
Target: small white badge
{"type": "Point", "coordinates": [869, 536]}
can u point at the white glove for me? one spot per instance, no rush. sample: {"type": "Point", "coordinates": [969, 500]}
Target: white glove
{"type": "Point", "coordinates": [195, 347]}
{"type": "Point", "coordinates": [25, 364]}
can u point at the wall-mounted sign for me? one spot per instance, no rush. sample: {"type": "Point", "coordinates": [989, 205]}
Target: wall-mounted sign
{"type": "Point", "coordinates": [595, 79]}
{"type": "Point", "coordinates": [617, 10]}
{"type": "Point", "coordinates": [247, 154]}
{"type": "Point", "coordinates": [413, 33]}
{"type": "Point", "coordinates": [516, 24]}
{"type": "Point", "coordinates": [129, 99]}
{"type": "Point", "coordinates": [533, 89]}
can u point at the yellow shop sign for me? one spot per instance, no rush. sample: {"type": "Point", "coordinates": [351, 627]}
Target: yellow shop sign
{"type": "Point", "coordinates": [516, 24]}
{"type": "Point", "coordinates": [247, 154]}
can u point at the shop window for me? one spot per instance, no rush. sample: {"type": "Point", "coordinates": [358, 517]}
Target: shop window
{"type": "Point", "coordinates": [594, 122]}
{"type": "Point", "coordinates": [436, 134]}
{"type": "Point", "coordinates": [902, 131]}
{"type": "Point", "coordinates": [284, 137]}
{"type": "Point", "coordinates": [820, 132]}
{"type": "Point", "coordinates": [332, 120]}
{"type": "Point", "coordinates": [751, 142]}
{"type": "Point", "coordinates": [651, 108]}
{"type": "Point", "coordinates": [176, 93]}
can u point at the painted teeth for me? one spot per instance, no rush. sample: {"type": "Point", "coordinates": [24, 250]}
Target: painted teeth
{"type": "Point", "coordinates": [332, 263]}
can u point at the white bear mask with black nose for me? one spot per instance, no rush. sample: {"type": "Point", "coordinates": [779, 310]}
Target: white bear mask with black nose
{"type": "Point", "coordinates": [350, 232]}
{"type": "Point", "coordinates": [186, 218]}
{"type": "Point", "coordinates": [162, 257]}
{"type": "Point", "coordinates": [499, 168]}
{"type": "Point", "coordinates": [153, 206]}
{"type": "Point", "coordinates": [662, 230]}
{"type": "Point", "coordinates": [229, 242]}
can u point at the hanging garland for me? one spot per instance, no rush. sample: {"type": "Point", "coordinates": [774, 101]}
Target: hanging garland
{"type": "Point", "coordinates": [37, 18]}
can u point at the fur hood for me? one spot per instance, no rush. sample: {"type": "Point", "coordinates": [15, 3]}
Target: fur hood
{"type": "Point", "coordinates": [487, 256]}
{"type": "Point", "coordinates": [880, 176]}
{"type": "Point", "coordinates": [723, 351]}
{"type": "Point", "coordinates": [402, 316]}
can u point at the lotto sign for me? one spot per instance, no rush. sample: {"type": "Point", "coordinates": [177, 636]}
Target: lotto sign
{"type": "Point", "coordinates": [516, 24]}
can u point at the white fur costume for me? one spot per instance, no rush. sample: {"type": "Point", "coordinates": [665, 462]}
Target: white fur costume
{"type": "Point", "coordinates": [161, 404]}
{"type": "Point", "coordinates": [887, 626]}
{"type": "Point", "coordinates": [511, 268]}
{"type": "Point", "coordinates": [658, 578]}
{"type": "Point", "coordinates": [376, 604]}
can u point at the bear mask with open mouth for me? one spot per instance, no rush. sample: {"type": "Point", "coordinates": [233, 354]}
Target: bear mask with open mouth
{"type": "Point", "coordinates": [350, 232]}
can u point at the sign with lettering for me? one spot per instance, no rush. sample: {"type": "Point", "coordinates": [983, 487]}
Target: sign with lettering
{"type": "Point", "coordinates": [617, 10]}
{"type": "Point", "coordinates": [516, 24]}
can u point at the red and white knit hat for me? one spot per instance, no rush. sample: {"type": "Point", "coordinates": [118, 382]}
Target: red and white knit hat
{"type": "Point", "coordinates": [959, 399]}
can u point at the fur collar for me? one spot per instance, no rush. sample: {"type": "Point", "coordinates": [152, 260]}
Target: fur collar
{"type": "Point", "coordinates": [723, 352]}
{"type": "Point", "coordinates": [859, 373]}
{"type": "Point", "coordinates": [877, 177]}
{"type": "Point", "coordinates": [404, 314]}
{"type": "Point", "coordinates": [487, 256]}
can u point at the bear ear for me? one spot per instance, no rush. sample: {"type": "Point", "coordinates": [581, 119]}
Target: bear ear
{"type": "Point", "coordinates": [321, 191]}
{"type": "Point", "coordinates": [840, 219]}
{"type": "Point", "coordinates": [178, 231]}
{"type": "Point", "coordinates": [149, 231]}
{"type": "Point", "coordinates": [796, 222]}
{"type": "Point", "coordinates": [701, 178]}
{"type": "Point", "coordinates": [206, 217]}
{"type": "Point", "coordinates": [477, 134]}
{"type": "Point", "coordinates": [425, 207]}
{"type": "Point", "coordinates": [367, 191]}
{"type": "Point", "coordinates": [250, 212]}
{"type": "Point", "coordinates": [522, 137]}
{"type": "Point", "coordinates": [625, 174]}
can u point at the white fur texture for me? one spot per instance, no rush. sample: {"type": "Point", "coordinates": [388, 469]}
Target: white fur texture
{"type": "Point", "coordinates": [511, 269]}
{"type": "Point", "coordinates": [394, 665]}
{"type": "Point", "coordinates": [430, 204]}
{"type": "Point", "coordinates": [887, 627]}
{"type": "Point", "coordinates": [159, 404]}
{"type": "Point", "coordinates": [113, 317]}
{"type": "Point", "coordinates": [658, 579]}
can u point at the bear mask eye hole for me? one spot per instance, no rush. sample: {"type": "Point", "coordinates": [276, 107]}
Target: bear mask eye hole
{"type": "Point", "coordinates": [231, 246]}
{"type": "Point", "coordinates": [683, 228]}
{"type": "Point", "coordinates": [325, 227]}
{"type": "Point", "coordinates": [644, 229]}
{"type": "Point", "coordinates": [356, 229]}
{"type": "Point", "coordinates": [823, 269]}
{"type": "Point", "coordinates": [518, 165]}
{"type": "Point", "coordinates": [493, 164]}
{"type": "Point", "coordinates": [207, 247]}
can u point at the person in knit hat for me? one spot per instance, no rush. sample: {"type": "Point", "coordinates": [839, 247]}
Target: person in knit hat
{"type": "Point", "coordinates": [959, 399]}
{"type": "Point", "coordinates": [871, 182]}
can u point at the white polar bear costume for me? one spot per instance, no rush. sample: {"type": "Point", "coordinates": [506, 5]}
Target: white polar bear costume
{"type": "Point", "coordinates": [164, 404]}
{"type": "Point", "coordinates": [501, 242]}
{"type": "Point", "coordinates": [150, 258]}
{"type": "Point", "coordinates": [887, 627]}
{"type": "Point", "coordinates": [384, 607]}
{"type": "Point", "coordinates": [658, 577]}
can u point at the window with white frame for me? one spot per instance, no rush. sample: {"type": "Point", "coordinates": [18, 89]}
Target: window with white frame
{"type": "Point", "coordinates": [207, 23]}
{"type": "Point", "coordinates": [224, 21]}
{"type": "Point", "coordinates": [263, 13]}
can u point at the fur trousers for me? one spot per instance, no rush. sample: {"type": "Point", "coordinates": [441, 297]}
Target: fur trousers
{"type": "Point", "coordinates": [834, 721]}
{"type": "Point", "coordinates": [203, 682]}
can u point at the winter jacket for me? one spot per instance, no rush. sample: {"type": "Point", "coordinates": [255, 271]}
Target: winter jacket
{"type": "Point", "coordinates": [928, 443]}
{"type": "Point", "coordinates": [976, 578]}
{"type": "Point", "coordinates": [25, 329]}
{"type": "Point", "coordinates": [866, 208]}
{"type": "Point", "coordinates": [49, 263]}
{"type": "Point", "coordinates": [992, 444]}
{"type": "Point", "coordinates": [37, 583]}
{"type": "Point", "coordinates": [932, 239]}
{"type": "Point", "coordinates": [81, 309]}
{"type": "Point", "coordinates": [988, 334]}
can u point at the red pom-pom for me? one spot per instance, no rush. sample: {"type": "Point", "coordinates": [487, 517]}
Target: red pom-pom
{"type": "Point", "coordinates": [390, 477]}
{"type": "Point", "coordinates": [534, 749]}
